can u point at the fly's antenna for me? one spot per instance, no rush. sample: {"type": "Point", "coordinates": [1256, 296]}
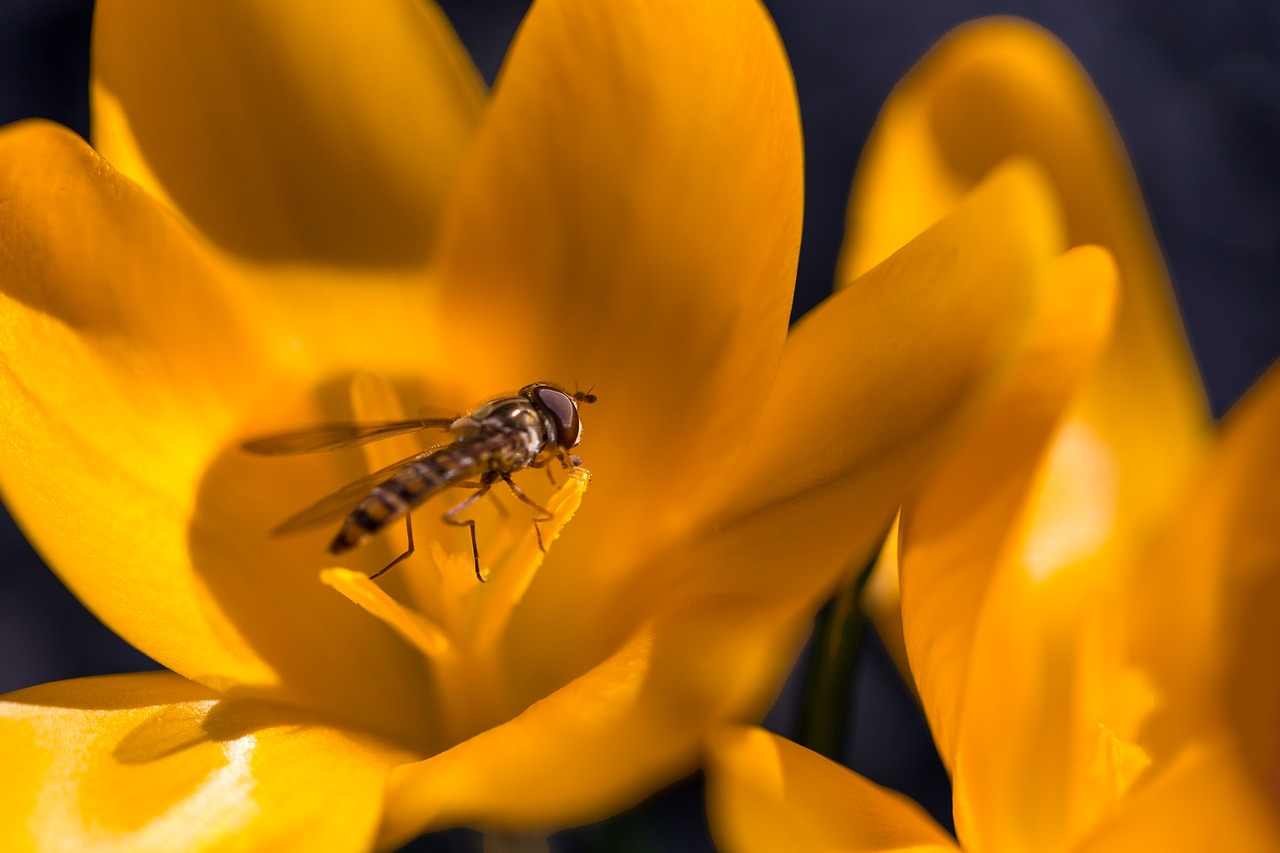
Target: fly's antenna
{"type": "Point", "coordinates": [585, 396]}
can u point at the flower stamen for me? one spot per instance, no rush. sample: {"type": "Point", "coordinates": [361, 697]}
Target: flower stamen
{"type": "Point", "coordinates": [508, 587]}
{"type": "Point", "coordinates": [418, 629]}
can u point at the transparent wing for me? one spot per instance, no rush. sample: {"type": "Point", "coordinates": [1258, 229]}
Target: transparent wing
{"type": "Point", "coordinates": [438, 413]}
{"type": "Point", "coordinates": [338, 436]}
{"type": "Point", "coordinates": [342, 502]}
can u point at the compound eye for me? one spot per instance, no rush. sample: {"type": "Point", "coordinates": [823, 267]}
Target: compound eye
{"type": "Point", "coordinates": [564, 412]}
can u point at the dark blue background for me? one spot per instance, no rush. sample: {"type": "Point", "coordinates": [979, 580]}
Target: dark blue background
{"type": "Point", "coordinates": [1195, 89]}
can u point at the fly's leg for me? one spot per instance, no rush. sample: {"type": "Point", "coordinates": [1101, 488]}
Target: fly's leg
{"type": "Point", "coordinates": [451, 517]}
{"type": "Point", "coordinates": [497, 504]}
{"type": "Point", "coordinates": [568, 461]}
{"type": "Point", "coordinates": [408, 529]}
{"type": "Point", "coordinates": [542, 462]}
{"type": "Point", "coordinates": [547, 515]}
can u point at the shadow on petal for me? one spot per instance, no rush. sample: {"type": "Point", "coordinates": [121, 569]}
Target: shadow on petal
{"type": "Point", "coordinates": [325, 654]}
{"type": "Point", "coordinates": [152, 762]}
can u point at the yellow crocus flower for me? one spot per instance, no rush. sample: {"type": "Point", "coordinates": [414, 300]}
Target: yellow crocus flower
{"type": "Point", "coordinates": [1089, 643]}
{"type": "Point", "coordinates": [1096, 716]}
{"type": "Point", "coordinates": [293, 214]}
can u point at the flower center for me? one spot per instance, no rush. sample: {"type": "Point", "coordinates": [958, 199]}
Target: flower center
{"type": "Point", "coordinates": [433, 599]}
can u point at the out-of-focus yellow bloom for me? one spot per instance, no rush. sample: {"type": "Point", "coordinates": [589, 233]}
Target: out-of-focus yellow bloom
{"type": "Point", "coordinates": [293, 217]}
{"type": "Point", "coordinates": [1089, 644]}
{"type": "Point", "coordinates": [1100, 717]}
{"type": "Point", "coordinates": [1001, 88]}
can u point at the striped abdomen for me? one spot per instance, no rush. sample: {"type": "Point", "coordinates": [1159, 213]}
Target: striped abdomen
{"type": "Point", "coordinates": [411, 485]}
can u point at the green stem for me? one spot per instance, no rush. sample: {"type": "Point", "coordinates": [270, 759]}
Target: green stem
{"type": "Point", "coordinates": [837, 633]}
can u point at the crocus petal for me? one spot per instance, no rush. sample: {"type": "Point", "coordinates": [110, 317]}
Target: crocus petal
{"type": "Point", "coordinates": [881, 364]}
{"type": "Point", "coordinates": [902, 354]}
{"type": "Point", "coordinates": [606, 739]}
{"type": "Point", "coordinates": [1003, 87]}
{"type": "Point", "coordinates": [128, 367]}
{"type": "Point", "coordinates": [630, 218]}
{"type": "Point", "coordinates": [953, 532]}
{"type": "Point", "coordinates": [287, 130]}
{"type": "Point", "coordinates": [1062, 341]}
{"type": "Point", "coordinates": [1206, 801]}
{"type": "Point", "coordinates": [152, 762]}
{"type": "Point", "coordinates": [997, 612]}
{"type": "Point", "coordinates": [1251, 582]}
{"type": "Point", "coordinates": [765, 793]}
{"type": "Point", "coordinates": [882, 602]}
{"type": "Point", "coordinates": [1000, 88]}
{"type": "Point", "coordinates": [994, 251]}
{"type": "Point", "coordinates": [1205, 602]}
{"type": "Point", "coordinates": [1043, 749]}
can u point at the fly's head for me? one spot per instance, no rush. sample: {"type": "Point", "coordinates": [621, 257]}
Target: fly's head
{"type": "Point", "coordinates": [559, 410]}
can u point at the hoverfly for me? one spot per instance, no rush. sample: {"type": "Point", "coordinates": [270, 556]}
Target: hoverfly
{"type": "Point", "coordinates": [497, 439]}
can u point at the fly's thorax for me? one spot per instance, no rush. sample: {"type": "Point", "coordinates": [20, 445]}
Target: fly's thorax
{"type": "Point", "coordinates": [465, 427]}
{"type": "Point", "coordinates": [493, 418]}
{"type": "Point", "coordinates": [509, 452]}
{"type": "Point", "coordinates": [503, 435]}
{"type": "Point", "coordinates": [504, 410]}
{"type": "Point", "coordinates": [514, 416]}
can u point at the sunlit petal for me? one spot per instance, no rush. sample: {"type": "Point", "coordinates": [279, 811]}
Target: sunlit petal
{"type": "Point", "coordinates": [128, 367]}
{"type": "Point", "coordinates": [765, 794]}
{"type": "Point", "coordinates": [953, 534]}
{"type": "Point", "coordinates": [633, 227]}
{"type": "Point", "coordinates": [880, 365]}
{"type": "Point", "coordinates": [899, 387]}
{"type": "Point", "coordinates": [607, 738]}
{"type": "Point", "coordinates": [998, 88]}
{"type": "Point", "coordinates": [152, 762]}
{"type": "Point", "coordinates": [1204, 604]}
{"type": "Point", "coordinates": [1206, 801]}
{"type": "Point", "coordinates": [998, 634]}
{"type": "Point", "coordinates": [287, 131]}
{"type": "Point", "coordinates": [1002, 88]}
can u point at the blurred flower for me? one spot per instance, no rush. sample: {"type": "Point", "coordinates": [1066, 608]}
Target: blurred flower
{"type": "Point", "coordinates": [1084, 629]}
{"type": "Point", "coordinates": [1096, 716]}
{"type": "Point", "coordinates": [294, 217]}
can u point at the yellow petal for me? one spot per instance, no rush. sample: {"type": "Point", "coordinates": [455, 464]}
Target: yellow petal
{"type": "Point", "coordinates": [999, 88]}
{"type": "Point", "coordinates": [817, 530]}
{"type": "Point", "coordinates": [1204, 602]}
{"type": "Point", "coordinates": [606, 739]}
{"type": "Point", "coordinates": [897, 389]}
{"type": "Point", "coordinates": [878, 379]}
{"type": "Point", "coordinates": [1064, 338]}
{"type": "Point", "coordinates": [1251, 579]}
{"type": "Point", "coordinates": [765, 793]}
{"type": "Point", "coordinates": [152, 762]}
{"type": "Point", "coordinates": [996, 603]}
{"type": "Point", "coordinates": [874, 370]}
{"type": "Point", "coordinates": [630, 219]}
{"type": "Point", "coordinates": [1205, 801]}
{"type": "Point", "coordinates": [1043, 749]}
{"type": "Point", "coordinates": [882, 602]}
{"type": "Point", "coordinates": [127, 371]}
{"type": "Point", "coordinates": [953, 533]}
{"type": "Point", "coordinates": [284, 131]}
